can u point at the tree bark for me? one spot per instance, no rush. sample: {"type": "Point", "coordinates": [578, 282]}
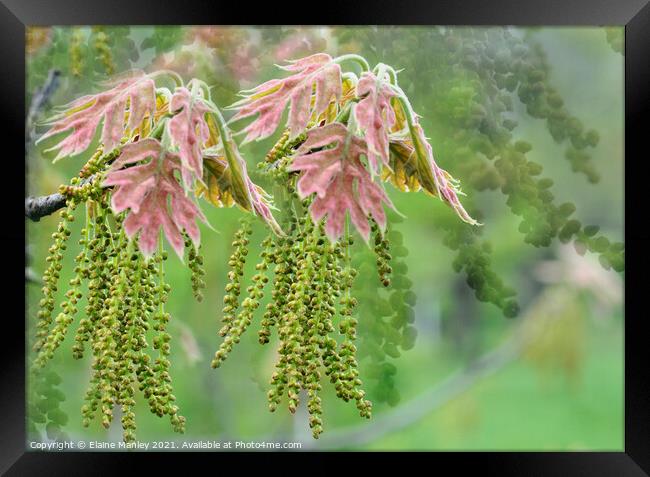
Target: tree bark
{"type": "Point", "coordinates": [37, 207]}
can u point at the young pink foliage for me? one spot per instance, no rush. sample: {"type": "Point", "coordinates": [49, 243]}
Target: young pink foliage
{"type": "Point", "coordinates": [375, 116]}
{"type": "Point", "coordinates": [189, 130]}
{"type": "Point", "coordinates": [260, 202]}
{"type": "Point", "coordinates": [84, 115]}
{"type": "Point", "coordinates": [340, 181]}
{"type": "Point", "coordinates": [146, 189]}
{"type": "Point", "coordinates": [257, 197]}
{"type": "Point", "coordinates": [443, 183]}
{"type": "Point", "coordinates": [227, 182]}
{"type": "Point", "coordinates": [270, 99]}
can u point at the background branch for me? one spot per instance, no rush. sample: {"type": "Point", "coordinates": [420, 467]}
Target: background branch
{"type": "Point", "coordinates": [39, 100]}
{"type": "Point", "coordinates": [37, 207]}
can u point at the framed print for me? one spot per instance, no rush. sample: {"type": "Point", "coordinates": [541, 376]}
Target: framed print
{"type": "Point", "coordinates": [399, 229]}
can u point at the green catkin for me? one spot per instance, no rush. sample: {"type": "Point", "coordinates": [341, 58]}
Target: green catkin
{"type": "Point", "coordinates": [285, 262]}
{"type": "Point", "coordinates": [347, 328]}
{"type": "Point", "coordinates": [308, 279]}
{"type": "Point", "coordinates": [382, 252]}
{"type": "Point", "coordinates": [318, 325]}
{"type": "Point", "coordinates": [255, 292]}
{"type": "Point", "coordinates": [50, 280]}
{"type": "Point", "coordinates": [164, 399]}
{"type": "Point", "coordinates": [66, 317]}
{"type": "Point", "coordinates": [125, 298]}
{"type": "Point", "coordinates": [294, 327]}
{"type": "Point", "coordinates": [280, 255]}
{"type": "Point", "coordinates": [124, 385]}
{"type": "Point", "coordinates": [98, 289]}
{"type": "Point", "coordinates": [85, 325]}
{"type": "Point", "coordinates": [280, 156]}
{"type": "Point", "coordinates": [230, 318]}
{"type": "Point", "coordinates": [333, 279]}
{"type": "Point", "coordinates": [271, 254]}
{"type": "Point", "coordinates": [147, 292]}
{"type": "Point", "coordinates": [279, 149]}
{"type": "Point", "coordinates": [195, 264]}
{"type": "Point", "coordinates": [133, 342]}
{"type": "Point", "coordinates": [98, 162]}
{"type": "Point", "coordinates": [76, 56]}
{"type": "Point", "coordinates": [103, 50]}
{"type": "Point", "coordinates": [105, 345]}
{"type": "Point", "coordinates": [97, 273]}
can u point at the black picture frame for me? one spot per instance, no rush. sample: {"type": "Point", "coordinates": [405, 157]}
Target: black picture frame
{"type": "Point", "coordinates": [15, 15]}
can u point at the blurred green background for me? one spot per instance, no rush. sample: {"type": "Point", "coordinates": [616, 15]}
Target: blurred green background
{"type": "Point", "coordinates": [549, 379]}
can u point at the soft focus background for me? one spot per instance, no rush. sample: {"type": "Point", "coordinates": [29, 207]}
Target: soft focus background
{"type": "Point", "coordinates": [551, 378]}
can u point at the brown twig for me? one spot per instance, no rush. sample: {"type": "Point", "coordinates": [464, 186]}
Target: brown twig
{"type": "Point", "coordinates": [37, 207]}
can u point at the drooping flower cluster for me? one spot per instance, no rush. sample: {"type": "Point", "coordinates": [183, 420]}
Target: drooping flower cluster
{"type": "Point", "coordinates": [336, 149]}
{"type": "Point", "coordinates": [160, 150]}
{"type": "Point", "coordinates": [125, 299]}
{"type": "Point", "coordinates": [153, 144]}
{"type": "Point", "coordinates": [312, 311]}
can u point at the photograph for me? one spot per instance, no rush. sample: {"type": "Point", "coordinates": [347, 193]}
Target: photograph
{"type": "Point", "coordinates": [324, 238]}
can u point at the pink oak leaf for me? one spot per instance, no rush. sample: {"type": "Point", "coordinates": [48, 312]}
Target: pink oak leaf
{"type": "Point", "coordinates": [258, 199]}
{"type": "Point", "coordinates": [375, 117]}
{"type": "Point", "coordinates": [189, 131]}
{"type": "Point", "coordinates": [84, 115]}
{"type": "Point", "coordinates": [434, 179]}
{"type": "Point", "coordinates": [269, 99]}
{"type": "Point", "coordinates": [340, 181]}
{"type": "Point", "coordinates": [261, 205]}
{"type": "Point", "coordinates": [154, 196]}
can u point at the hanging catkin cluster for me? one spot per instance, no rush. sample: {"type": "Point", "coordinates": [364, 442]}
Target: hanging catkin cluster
{"type": "Point", "coordinates": [349, 132]}
{"type": "Point", "coordinates": [133, 188]}
{"type": "Point", "coordinates": [311, 311]}
{"type": "Point", "coordinates": [386, 311]}
{"type": "Point", "coordinates": [125, 303]}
